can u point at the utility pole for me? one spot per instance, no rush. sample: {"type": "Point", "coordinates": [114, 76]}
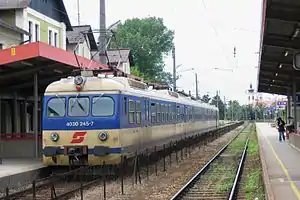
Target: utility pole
{"type": "Point", "coordinates": [225, 109]}
{"type": "Point", "coordinates": [196, 79]}
{"type": "Point", "coordinates": [218, 103]}
{"type": "Point", "coordinates": [232, 111]}
{"type": "Point", "coordinates": [174, 69]}
{"type": "Point", "coordinates": [78, 12]}
{"type": "Point", "coordinates": [102, 35]}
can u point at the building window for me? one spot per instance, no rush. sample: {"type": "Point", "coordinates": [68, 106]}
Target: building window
{"type": "Point", "coordinates": [30, 31]}
{"type": "Point", "coordinates": [55, 39]}
{"type": "Point", "coordinates": [34, 30]}
{"type": "Point", "coordinates": [50, 37]}
{"type": "Point", "coordinates": [37, 32]}
{"type": "Point", "coordinates": [1, 46]}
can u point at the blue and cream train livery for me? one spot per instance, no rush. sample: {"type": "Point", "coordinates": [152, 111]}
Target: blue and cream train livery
{"type": "Point", "coordinates": [88, 120]}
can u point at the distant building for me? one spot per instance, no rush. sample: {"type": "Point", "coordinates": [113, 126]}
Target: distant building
{"type": "Point", "coordinates": [82, 40]}
{"type": "Point", "coordinates": [254, 98]}
{"type": "Point", "coordinates": [23, 21]}
{"type": "Point", "coordinates": [121, 59]}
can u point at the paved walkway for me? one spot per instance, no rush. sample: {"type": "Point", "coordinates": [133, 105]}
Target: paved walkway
{"type": "Point", "coordinates": [281, 165]}
{"type": "Point", "coordinates": [15, 166]}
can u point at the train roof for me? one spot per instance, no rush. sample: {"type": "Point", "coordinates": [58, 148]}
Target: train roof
{"type": "Point", "coordinates": [122, 85]}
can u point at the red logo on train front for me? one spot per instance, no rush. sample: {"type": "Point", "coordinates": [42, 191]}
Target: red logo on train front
{"type": "Point", "coordinates": [78, 137]}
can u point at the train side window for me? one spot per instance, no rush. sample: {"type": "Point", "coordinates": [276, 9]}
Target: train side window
{"type": "Point", "coordinates": [182, 113]}
{"type": "Point", "coordinates": [56, 107]}
{"type": "Point", "coordinates": [145, 109]}
{"type": "Point", "coordinates": [178, 113]}
{"type": "Point", "coordinates": [167, 113]}
{"type": "Point", "coordinates": [158, 118]}
{"type": "Point", "coordinates": [153, 113]}
{"type": "Point", "coordinates": [149, 111]}
{"type": "Point", "coordinates": [138, 112]}
{"type": "Point", "coordinates": [162, 113]}
{"type": "Point", "coordinates": [125, 105]}
{"type": "Point", "coordinates": [174, 114]}
{"type": "Point", "coordinates": [131, 111]}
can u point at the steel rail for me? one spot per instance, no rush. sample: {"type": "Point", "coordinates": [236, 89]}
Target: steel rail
{"type": "Point", "coordinates": [238, 173]}
{"type": "Point", "coordinates": [185, 188]}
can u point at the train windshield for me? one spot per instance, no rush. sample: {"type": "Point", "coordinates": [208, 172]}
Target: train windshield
{"type": "Point", "coordinates": [103, 106]}
{"type": "Point", "coordinates": [56, 107]}
{"type": "Point", "coordinates": [98, 106]}
{"type": "Point", "coordinates": [79, 106]}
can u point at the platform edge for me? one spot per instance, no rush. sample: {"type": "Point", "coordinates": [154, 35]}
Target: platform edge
{"type": "Point", "coordinates": [266, 180]}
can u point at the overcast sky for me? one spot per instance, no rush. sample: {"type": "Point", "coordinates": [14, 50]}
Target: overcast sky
{"type": "Point", "coordinates": [205, 35]}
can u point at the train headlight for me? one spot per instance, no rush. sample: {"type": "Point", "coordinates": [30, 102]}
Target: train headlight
{"type": "Point", "coordinates": [103, 136]}
{"type": "Point", "coordinates": [78, 80]}
{"type": "Point", "coordinates": [54, 137]}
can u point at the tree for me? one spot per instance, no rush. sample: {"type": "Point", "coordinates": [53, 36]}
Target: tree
{"type": "Point", "coordinates": [205, 98]}
{"type": "Point", "coordinates": [149, 40]}
{"type": "Point", "coordinates": [234, 111]}
{"type": "Point", "coordinates": [216, 101]}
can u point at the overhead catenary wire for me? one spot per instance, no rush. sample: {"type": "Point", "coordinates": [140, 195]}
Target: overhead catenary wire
{"type": "Point", "coordinates": [216, 33]}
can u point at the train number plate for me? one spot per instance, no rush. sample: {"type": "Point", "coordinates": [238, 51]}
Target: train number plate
{"type": "Point", "coordinates": [80, 123]}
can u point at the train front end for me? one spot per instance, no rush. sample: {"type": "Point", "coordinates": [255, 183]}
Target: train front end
{"type": "Point", "coordinates": [80, 123]}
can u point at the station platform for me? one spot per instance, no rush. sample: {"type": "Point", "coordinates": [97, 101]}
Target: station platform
{"type": "Point", "coordinates": [280, 163]}
{"type": "Point", "coordinates": [18, 172]}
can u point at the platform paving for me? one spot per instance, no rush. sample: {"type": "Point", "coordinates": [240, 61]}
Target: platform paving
{"type": "Point", "coordinates": [15, 166]}
{"type": "Point", "coordinates": [17, 172]}
{"type": "Point", "coordinates": [281, 165]}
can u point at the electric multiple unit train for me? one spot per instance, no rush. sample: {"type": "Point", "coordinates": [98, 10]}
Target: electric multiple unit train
{"type": "Point", "coordinates": [88, 120]}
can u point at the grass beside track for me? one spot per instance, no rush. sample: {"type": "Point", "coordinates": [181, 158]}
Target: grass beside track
{"type": "Point", "coordinates": [254, 184]}
{"type": "Point", "coordinates": [232, 154]}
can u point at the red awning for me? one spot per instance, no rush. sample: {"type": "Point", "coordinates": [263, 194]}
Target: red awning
{"type": "Point", "coordinates": [43, 50]}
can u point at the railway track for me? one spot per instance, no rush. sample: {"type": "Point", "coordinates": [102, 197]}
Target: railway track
{"type": "Point", "coordinates": [61, 186]}
{"type": "Point", "coordinates": [220, 176]}
{"type": "Point", "coordinates": [58, 186]}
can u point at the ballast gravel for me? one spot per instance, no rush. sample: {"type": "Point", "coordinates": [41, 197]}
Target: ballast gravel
{"type": "Point", "coordinates": [166, 183]}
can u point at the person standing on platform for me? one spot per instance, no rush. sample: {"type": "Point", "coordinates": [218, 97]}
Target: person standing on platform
{"type": "Point", "coordinates": [281, 129]}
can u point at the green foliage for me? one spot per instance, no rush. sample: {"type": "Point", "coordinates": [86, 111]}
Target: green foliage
{"type": "Point", "coordinates": [216, 101]}
{"type": "Point", "coordinates": [149, 40]}
{"type": "Point", "coordinates": [135, 71]}
{"type": "Point", "coordinates": [234, 111]}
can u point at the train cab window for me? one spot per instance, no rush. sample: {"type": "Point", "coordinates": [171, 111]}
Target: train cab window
{"type": "Point", "coordinates": [78, 106]}
{"type": "Point", "coordinates": [131, 111]}
{"type": "Point", "coordinates": [103, 106]}
{"type": "Point", "coordinates": [138, 112]}
{"type": "Point", "coordinates": [56, 107]}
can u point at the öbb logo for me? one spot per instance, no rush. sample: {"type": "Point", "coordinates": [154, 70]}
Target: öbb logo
{"type": "Point", "coordinates": [78, 137]}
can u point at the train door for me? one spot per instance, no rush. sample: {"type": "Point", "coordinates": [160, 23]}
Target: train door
{"type": "Point", "coordinates": [146, 126]}
{"type": "Point", "coordinates": [185, 126]}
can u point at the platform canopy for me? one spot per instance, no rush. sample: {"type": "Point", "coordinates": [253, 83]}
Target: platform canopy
{"type": "Point", "coordinates": [18, 64]}
{"type": "Point", "coordinates": [280, 39]}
